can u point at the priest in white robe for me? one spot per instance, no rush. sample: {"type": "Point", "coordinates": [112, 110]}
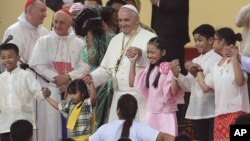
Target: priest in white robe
{"type": "Point", "coordinates": [56, 56]}
{"type": "Point", "coordinates": [132, 39]}
{"type": "Point", "coordinates": [28, 28]}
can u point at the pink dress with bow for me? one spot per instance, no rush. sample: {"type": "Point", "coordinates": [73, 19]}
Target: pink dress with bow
{"type": "Point", "coordinates": [161, 104]}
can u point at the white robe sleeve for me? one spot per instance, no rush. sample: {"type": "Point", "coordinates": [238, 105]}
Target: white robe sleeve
{"type": "Point", "coordinates": [101, 75]}
{"type": "Point", "coordinates": [242, 18]}
{"type": "Point", "coordinates": [39, 60]}
{"type": "Point", "coordinates": [79, 66]}
{"type": "Point", "coordinates": [245, 63]}
{"type": "Point", "coordinates": [185, 82]}
{"type": "Point", "coordinates": [79, 70]}
{"type": "Point", "coordinates": [34, 86]}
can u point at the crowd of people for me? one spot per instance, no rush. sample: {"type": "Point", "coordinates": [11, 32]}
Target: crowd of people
{"type": "Point", "coordinates": [103, 75]}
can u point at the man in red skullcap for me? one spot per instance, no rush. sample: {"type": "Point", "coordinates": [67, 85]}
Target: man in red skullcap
{"type": "Point", "coordinates": [28, 29]}
{"type": "Point", "coordinates": [57, 56]}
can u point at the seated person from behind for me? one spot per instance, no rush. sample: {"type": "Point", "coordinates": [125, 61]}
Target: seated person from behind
{"type": "Point", "coordinates": [126, 127]}
{"type": "Point", "coordinates": [21, 130]}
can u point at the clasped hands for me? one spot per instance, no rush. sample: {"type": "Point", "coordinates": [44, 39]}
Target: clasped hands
{"type": "Point", "coordinates": [133, 53]}
{"type": "Point", "coordinates": [62, 81]}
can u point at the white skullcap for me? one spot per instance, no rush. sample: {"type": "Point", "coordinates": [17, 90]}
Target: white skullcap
{"type": "Point", "coordinates": [131, 7]}
{"type": "Point", "coordinates": [76, 7]}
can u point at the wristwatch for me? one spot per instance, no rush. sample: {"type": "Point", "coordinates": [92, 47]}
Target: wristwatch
{"type": "Point", "coordinates": [200, 70]}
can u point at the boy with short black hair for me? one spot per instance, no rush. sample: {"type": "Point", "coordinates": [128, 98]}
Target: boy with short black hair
{"type": "Point", "coordinates": [21, 130]}
{"type": "Point", "coordinates": [201, 108]}
{"type": "Point", "coordinates": [18, 91]}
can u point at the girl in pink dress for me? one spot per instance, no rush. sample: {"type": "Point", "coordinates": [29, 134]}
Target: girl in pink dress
{"type": "Point", "coordinates": [159, 87]}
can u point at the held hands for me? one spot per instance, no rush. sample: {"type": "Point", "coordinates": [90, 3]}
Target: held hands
{"type": "Point", "coordinates": [192, 67]}
{"type": "Point", "coordinates": [175, 67]}
{"type": "Point", "coordinates": [62, 79]}
{"type": "Point", "coordinates": [87, 78]}
{"type": "Point", "coordinates": [131, 52]}
{"type": "Point", "coordinates": [46, 92]}
{"type": "Point", "coordinates": [133, 59]}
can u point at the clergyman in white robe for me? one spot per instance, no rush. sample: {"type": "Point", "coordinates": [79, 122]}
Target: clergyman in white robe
{"type": "Point", "coordinates": [55, 55]}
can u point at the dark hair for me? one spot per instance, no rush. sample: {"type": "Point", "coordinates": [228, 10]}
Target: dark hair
{"type": "Point", "coordinates": [127, 105]}
{"type": "Point", "coordinates": [182, 137]}
{"type": "Point", "coordinates": [89, 19]}
{"type": "Point", "coordinates": [78, 85]}
{"type": "Point", "coordinates": [21, 130]}
{"type": "Point", "coordinates": [228, 35]}
{"type": "Point", "coordinates": [158, 43]}
{"type": "Point", "coordinates": [111, 2]}
{"type": "Point", "coordinates": [124, 139]}
{"type": "Point", "coordinates": [205, 30]}
{"type": "Point", "coordinates": [243, 119]}
{"type": "Point", "coordinates": [9, 46]}
{"type": "Point", "coordinates": [97, 1]}
{"type": "Point", "coordinates": [107, 13]}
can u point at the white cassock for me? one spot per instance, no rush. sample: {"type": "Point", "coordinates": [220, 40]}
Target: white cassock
{"type": "Point", "coordinates": [25, 36]}
{"type": "Point", "coordinates": [53, 55]}
{"type": "Point", "coordinates": [106, 69]}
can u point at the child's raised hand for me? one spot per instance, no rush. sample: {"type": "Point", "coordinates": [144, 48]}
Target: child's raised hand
{"type": "Point", "coordinates": [133, 59]}
{"type": "Point", "coordinates": [175, 67]}
{"type": "Point", "coordinates": [234, 51]}
{"type": "Point", "coordinates": [87, 78]}
{"type": "Point", "coordinates": [46, 92]}
{"type": "Point", "coordinates": [132, 51]}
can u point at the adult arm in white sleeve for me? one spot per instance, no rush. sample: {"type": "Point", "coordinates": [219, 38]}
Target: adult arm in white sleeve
{"type": "Point", "coordinates": [242, 18]}
{"type": "Point", "coordinates": [245, 63]}
{"type": "Point", "coordinates": [101, 75]}
{"type": "Point", "coordinates": [39, 60]}
{"type": "Point", "coordinates": [79, 70]}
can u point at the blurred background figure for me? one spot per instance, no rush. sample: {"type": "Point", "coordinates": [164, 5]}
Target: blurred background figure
{"type": "Point", "coordinates": [56, 5]}
{"type": "Point", "coordinates": [75, 9]}
{"type": "Point", "coordinates": [170, 22]}
{"type": "Point", "coordinates": [92, 2]}
{"type": "Point", "coordinates": [96, 36]}
{"type": "Point", "coordinates": [113, 22]}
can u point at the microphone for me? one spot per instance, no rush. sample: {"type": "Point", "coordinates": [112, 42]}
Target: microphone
{"type": "Point", "coordinates": [26, 66]}
{"type": "Point", "coordinates": [10, 37]}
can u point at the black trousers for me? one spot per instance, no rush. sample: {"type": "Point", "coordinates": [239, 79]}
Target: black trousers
{"type": "Point", "coordinates": [203, 129]}
{"type": "Point", "coordinates": [5, 137]}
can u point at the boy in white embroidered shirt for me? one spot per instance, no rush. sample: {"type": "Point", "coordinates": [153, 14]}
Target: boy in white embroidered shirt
{"type": "Point", "coordinates": [18, 91]}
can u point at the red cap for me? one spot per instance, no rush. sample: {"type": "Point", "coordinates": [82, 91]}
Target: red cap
{"type": "Point", "coordinates": [66, 10]}
{"type": "Point", "coordinates": [28, 2]}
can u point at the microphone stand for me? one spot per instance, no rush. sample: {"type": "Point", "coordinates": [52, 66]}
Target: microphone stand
{"type": "Point", "coordinates": [25, 66]}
